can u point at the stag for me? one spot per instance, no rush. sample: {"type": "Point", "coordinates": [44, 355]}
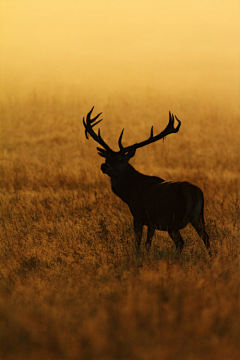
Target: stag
{"type": "Point", "coordinates": [154, 202]}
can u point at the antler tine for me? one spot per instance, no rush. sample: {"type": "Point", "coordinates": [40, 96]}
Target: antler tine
{"type": "Point", "coordinates": [170, 126]}
{"type": "Point", "coordinates": [95, 118]}
{"type": "Point", "coordinates": [151, 134]}
{"type": "Point", "coordinates": [179, 123]}
{"type": "Point", "coordinates": [89, 124]}
{"type": "Point", "coordinates": [120, 140]}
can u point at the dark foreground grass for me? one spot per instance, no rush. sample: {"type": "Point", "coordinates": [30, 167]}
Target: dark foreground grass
{"type": "Point", "coordinates": [71, 283]}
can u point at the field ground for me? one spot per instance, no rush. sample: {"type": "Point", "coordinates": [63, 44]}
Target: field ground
{"type": "Point", "coordinates": [71, 284]}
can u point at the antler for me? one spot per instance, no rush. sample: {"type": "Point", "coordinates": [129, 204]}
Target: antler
{"type": "Point", "coordinates": [88, 124]}
{"type": "Point", "coordinates": [167, 131]}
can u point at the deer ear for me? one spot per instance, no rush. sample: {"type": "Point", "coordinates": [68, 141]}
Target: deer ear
{"type": "Point", "coordinates": [130, 153]}
{"type": "Point", "coordinates": [102, 152]}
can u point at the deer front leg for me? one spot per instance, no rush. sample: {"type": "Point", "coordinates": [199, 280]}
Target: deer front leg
{"type": "Point", "coordinates": [150, 234]}
{"type": "Point", "coordinates": [178, 240]}
{"type": "Point", "coordinates": [138, 229]}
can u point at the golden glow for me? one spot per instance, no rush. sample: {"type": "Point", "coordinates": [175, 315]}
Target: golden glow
{"type": "Point", "coordinates": [72, 285]}
{"type": "Point", "coordinates": [96, 44]}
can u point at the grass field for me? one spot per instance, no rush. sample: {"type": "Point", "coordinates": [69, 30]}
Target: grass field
{"type": "Point", "coordinates": [71, 283]}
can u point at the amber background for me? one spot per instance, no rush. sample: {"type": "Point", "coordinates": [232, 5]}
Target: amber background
{"type": "Point", "coordinates": [111, 45]}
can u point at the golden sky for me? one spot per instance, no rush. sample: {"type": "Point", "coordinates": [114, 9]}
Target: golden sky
{"type": "Point", "coordinates": [112, 43]}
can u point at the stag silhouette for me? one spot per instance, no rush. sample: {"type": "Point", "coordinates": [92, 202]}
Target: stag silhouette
{"type": "Point", "coordinates": [154, 202]}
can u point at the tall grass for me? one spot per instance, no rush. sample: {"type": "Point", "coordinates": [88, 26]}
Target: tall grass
{"type": "Point", "coordinates": [71, 284]}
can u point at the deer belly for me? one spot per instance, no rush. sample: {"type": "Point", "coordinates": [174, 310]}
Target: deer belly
{"type": "Point", "coordinates": [166, 224]}
{"type": "Point", "coordinates": [169, 213]}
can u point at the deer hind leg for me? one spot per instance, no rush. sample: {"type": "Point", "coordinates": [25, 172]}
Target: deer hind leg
{"type": "Point", "coordinates": [199, 226]}
{"type": "Point", "coordinates": [138, 229]}
{"type": "Point", "coordinates": [177, 238]}
{"type": "Point", "coordinates": [150, 234]}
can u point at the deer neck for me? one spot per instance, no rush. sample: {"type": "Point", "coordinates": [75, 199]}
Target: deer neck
{"type": "Point", "coordinates": [125, 183]}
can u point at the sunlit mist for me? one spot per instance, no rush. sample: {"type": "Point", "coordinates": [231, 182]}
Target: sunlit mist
{"type": "Point", "coordinates": [109, 45]}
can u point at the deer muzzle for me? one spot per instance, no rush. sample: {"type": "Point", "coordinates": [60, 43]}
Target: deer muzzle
{"type": "Point", "coordinates": [106, 168]}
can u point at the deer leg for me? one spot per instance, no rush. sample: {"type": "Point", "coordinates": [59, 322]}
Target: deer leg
{"type": "Point", "coordinates": [138, 229]}
{"type": "Point", "coordinates": [150, 234]}
{"type": "Point", "coordinates": [177, 238]}
{"type": "Point", "coordinates": [199, 226]}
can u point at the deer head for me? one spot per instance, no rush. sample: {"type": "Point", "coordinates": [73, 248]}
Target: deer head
{"type": "Point", "coordinates": [116, 161]}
